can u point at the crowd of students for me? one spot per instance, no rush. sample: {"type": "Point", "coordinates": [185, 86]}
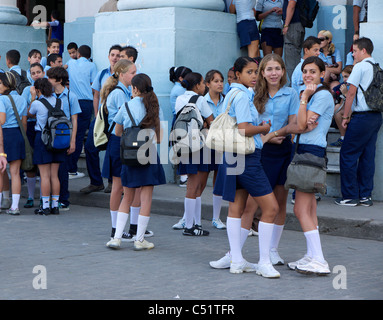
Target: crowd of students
{"type": "Point", "coordinates": [264, 107]}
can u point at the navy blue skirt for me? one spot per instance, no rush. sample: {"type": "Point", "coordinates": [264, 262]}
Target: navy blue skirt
{"type": "Point", "coordinates": [273, 37]}
{"type": "Point", "coordinates": [14, 145]}
{"type": "Point", "coordinates": [198, 161]}
{"type": "Point", "coordinates": [31, 132]}
{"type": "Point", "coordinates": [42, 156]}
{"type": "Point", "coordinates": [275, 160]}
{"type": "Point", "coordinates": [149, 175]}
{"type": "Point", "coordinates": [246, 173]}
{"type": "Point", "coordinates": [112, 161]}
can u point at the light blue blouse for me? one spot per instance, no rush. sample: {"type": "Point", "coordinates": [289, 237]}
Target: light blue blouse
{"type": "Point", "coordinates": [215, 108]}
{"type": "Point", "coordinates": [6, 107]}
{"type": "Point", "coordinates": [177, 90]}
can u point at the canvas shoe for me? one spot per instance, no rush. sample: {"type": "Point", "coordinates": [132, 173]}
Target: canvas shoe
{"type": "Point", "coordinates": [304, 260]}
{"type": "Point", "coordinates": [347, 202]}
{"type": "Point", "coordinates": [223, 263]}
{"type": "Point", "coordinates": [267, 270]}
{"type": "Point", "coordinates": [75, 175]}
{"type": "Point", "coordinates": [314, 267]}
{"type": "Point", "coordinates": [114, 244]}
{"type": "Point", "coordinates": [217, 223]}
{"type": "Point", "coordinates": [366, 202]}
{"type": "Point", "coordinates": [243, 266]}
{"type": "Point", "coordinates": [179, 225]}
{"type": "Point", "coordinates": [275, 258]}
{"type": "Point", "coordinates": [13, 212]}
{"type": "Point", "coordinates": [143, 245]}
{"type": "Point", "coordinates": [196, 230]}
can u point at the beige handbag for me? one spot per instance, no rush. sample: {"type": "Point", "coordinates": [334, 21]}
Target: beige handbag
{"type": "Point", "coordinates": [224, 135]}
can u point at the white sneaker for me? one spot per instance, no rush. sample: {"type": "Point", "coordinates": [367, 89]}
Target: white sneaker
{"type": "Point", "coordinates": [114, 244]}
{"type": "Point", "coordinates": [75, 175]}
{"type": "Point", "coordinates": [223, 263]}
{"type": "Point", "coordinates": [244, 266]}
{"type": "Point", "coordinates": [252, 233]}
{"type": "Point", "coordinates": [179, 225]}
{"type": "Point", "coordinates": [314, 266]}
{"type": "Point", "coordinates": [304, 260]}
{"type": "Point", "coordinates": [275, 258]}
{"type": "Point", "coordinates": [267, 270]}
{"type": "Point", "coordinates": [217, 223]}
{"type": "Point", "coordinates": [143, 245]}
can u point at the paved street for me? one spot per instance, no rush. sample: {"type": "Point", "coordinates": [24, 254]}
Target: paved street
{"type": "Point", "coordinates": [66, 254]}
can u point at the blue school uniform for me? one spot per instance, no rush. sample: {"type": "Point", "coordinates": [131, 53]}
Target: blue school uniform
{"type": "Point", "coordinates": [151, 174]}
{"type": "Point", "coordinates": [41, 155]}
{"type": "Point", "coordinates": [242, 171]}
{"type": "Point", "coordinates": [276, 158]}
{"type": "Point", "coordinates": [177, 90]}
{"type": "Point", "coordinates": [112, 163]}
{"type": "Point", "coordinates": [198, 161]}
{"type": "Point", "coordinates": [13, 140]}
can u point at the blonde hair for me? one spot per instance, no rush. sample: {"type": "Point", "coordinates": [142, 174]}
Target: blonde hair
{"type": "Point", "coordinates": [328, 35]}
{"type": "Point", "coordinates": [122, 66]}
{"type": "Point", "coordinates": [261, 90]}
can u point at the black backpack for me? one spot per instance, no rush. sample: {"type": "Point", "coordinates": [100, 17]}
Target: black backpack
{"type": "Point", "coordinates": [21, 81]}
{"type": "Point", "coordinates": [132, 146]}
{"type": "Point", "coordinates": [308, 10]}
{"type": "Point", "coordinates": [374, 93]}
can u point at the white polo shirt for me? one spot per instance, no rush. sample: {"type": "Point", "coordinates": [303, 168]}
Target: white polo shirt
{"type": "Point", "coordinates": [362, 75]}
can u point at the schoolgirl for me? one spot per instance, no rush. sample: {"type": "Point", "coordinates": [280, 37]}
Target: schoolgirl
{"type": "Point", "coordinates": [47, 161]}
{"type": "Point", "coordinates": [315, 104]}
{"type": "Point", "coordinates": [143, 107]}
{"type": "Point", "coordinates": [246, 176]}
{"type": "Point", "coordinates": [116, 92]}
{"type": "Point", "coordinates": [331, 57]}
{"type": "Point", "coordinates": [197, 172]}
{"type": "Point", "coordinates": [36, 72]}
{"type": "Point", "coordinates": [13, 139]}
{"type": "Point", "coordinates": [214, 97]}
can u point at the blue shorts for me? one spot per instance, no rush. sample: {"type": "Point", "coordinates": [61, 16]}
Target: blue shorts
{"type": "Point", "coordinates": [140, 176]}
{"type": "Point", "coordinates": [275, 160]}
{"type": "Point", "coordinates": [42, 156]}
{"type": "Point", "coordinates": [112, 161]}
{"type": "Point", "coordinates": [252, 178]}
{"type": "Point", "coordinates": [247, 32]}
{"type": "Point", "coordinates": [14, 145]}
{"type": "Point", "coordinates": [273, 37]}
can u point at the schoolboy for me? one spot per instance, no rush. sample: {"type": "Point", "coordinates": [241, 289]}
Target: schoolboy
{"type": "Point", "coordinates": [357, 155]}
{"type": "Point", "coordinates": [91, 152]}
{"type": "Point", "coordinates": [82, 73]}
{"type": "Point", "coordinates": [53, 46]}
{"type": "Point", "coordinates": [129, 53]}
{"type": "Point", "coordinates": [72, 50]}
{"type": "Point", "coordinates": [53, 60]}
{"type": "Point", "coordinates": [58, 76]}
{"type": "Point", "coordinates": [34, 56]}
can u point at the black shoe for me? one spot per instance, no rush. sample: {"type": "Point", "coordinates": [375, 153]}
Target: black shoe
{"type": "Point", "coordinates": [91, 188]}
{"type": "Point", "coordinates": [55, 210]}
{"type": "Point", "coordinates": [195, 231]}
{"type": "Point", "coordinates": [41, 211]}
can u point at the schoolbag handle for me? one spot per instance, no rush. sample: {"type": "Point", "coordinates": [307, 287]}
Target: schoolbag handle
{"type": "Point", "coordinates": [231, 101]}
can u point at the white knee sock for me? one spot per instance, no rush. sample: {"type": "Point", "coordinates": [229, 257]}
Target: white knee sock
{"type": "Point", "coordinates": [141, 227]}
{"type": "Point", "coordinates": [313, 242]}
{"type": "Point", "coordinates": [15, 201]}
{"type": "Point", "coordinates": [198, 209]}
{"type": "Point", "coordinates": [134, 212]}
{"type": "Point", "coordinates": [121, 220]}
{"type": "Point", "coordinates": [277, 233]}
{"type": "Point", "coordinates": [217, 204]}
{"type": "Point", "coordinates": [190, 205]}
{"type": "Point", "coordinates": [265, 233]}
{"type": "Point", "coordinates": [233, 226]}
{"type": "Point", "coordinates": [113, 217]}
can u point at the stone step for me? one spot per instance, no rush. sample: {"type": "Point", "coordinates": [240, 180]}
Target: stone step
{"type": "Point", "coordinates": [333, 155]}
{"type": "Point", "coordinates": [332, 136]}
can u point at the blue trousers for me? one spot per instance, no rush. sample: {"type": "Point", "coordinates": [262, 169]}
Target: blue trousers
{"type": "Point", "coordinates": [357, 155]}
{"type": "Point", "coordinates": [83, 122]}
{"type": "Point", "coordinates": [92, 158]}
{"type": "Point", "coordinates": [64, 181]}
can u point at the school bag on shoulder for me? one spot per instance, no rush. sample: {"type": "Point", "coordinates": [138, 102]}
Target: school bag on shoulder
{"type": "Point", "coordinates": [224, 136]}
{"type": "Point", "coordinates": [186, 136]}
{"type": "Point", "coordinates": [308, 10]}
{"type": "Point", "coordinates": [132, 152]}
{"type": "Point", "coordinates": [57, 133]}
{"type": "Point", "coordinates": [102, 132]}
{"type": "Point", "coordinates": [21, 81]}
{"type": "Point", "coordinates": [374, 93]}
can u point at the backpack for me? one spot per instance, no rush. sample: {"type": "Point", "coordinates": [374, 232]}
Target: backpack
{"type": "Point", "coordinates": [101, 131]}
{"type": "Point", "coordinates": [57, 133]}
{"type": "Point", "coordinates": [308, 10]}
{"type": "Point", "coordinates": [186, 136]}
{"type": "Point", "coordinates": [131, 142]}
{"type": "Point", "coordinates": [21, 81]}
{"type": "Point", "coordinates": [374, 93]}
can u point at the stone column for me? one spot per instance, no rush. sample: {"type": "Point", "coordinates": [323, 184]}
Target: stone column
{"type": "Point", "coordinates": [372, 29]}
{"type": "Point", "coordinates": [10, 14]}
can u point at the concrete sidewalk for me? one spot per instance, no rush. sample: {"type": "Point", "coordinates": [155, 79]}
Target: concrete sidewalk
{"type": "Point", "coordinates": [354, 222]}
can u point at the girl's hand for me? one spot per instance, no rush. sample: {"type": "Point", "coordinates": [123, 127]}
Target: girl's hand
{"type": "Point", "coordinates": [309, 91]}
{"type": "Point", "coordinates": [266, 126]}
{"type": "Point", "coordinates": [343, 89]}
{"type": "Point", "coordinates": [277, 140]}
{"type": "Point", "coordinates": [72, 147]}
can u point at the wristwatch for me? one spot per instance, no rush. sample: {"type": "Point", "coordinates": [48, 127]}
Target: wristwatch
{"type": "Point", "coordinates": [276, 133]}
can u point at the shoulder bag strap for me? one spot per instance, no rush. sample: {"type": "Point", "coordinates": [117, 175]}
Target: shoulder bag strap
{"type": "Point", "coordinates": [231, 101]}
{"type": "Point", "coordinates": [130, 115]}
{"type": "Point", "coordinates": [18, 119]}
